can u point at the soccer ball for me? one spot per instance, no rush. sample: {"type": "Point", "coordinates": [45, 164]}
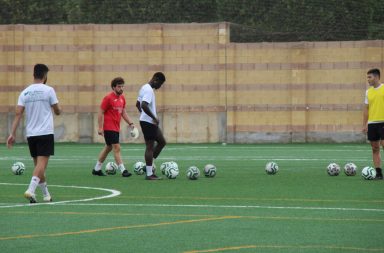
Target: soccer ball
{"type": "Point", "coordinates": [139, 168]}
{"type": "Point", "coordinates": [271, 168]}
{"type": "Point", "coordinates": [210, 170]}
{"type": "Point", "coordinates": [164, 166]}
{"type": "Point", "coordinates": [350, 169]}
{"type": "Point", "coordinates": [193, 173]}
{"type": "Point", "coordinates": [172, 171]}
{"type": "Point", "coordinates": [368, 173]}
{"type": "Point", "coordinates": [18, 168]}
{"type": "Point", "coordinates": [111, 168]}
{"type": "Point", "coordinates": [333, 169]}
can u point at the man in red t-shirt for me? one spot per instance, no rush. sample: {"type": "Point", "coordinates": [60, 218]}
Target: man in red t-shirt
{"type": "Point", "coordinates": [111, 111]}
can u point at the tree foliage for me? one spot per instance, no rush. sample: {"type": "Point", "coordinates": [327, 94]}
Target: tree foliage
{"type": "Point", "coordinates": [251, 20]}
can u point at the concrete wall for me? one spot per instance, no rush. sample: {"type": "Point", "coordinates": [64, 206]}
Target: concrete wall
{"type": "Point", "coordinates": [216, 91]}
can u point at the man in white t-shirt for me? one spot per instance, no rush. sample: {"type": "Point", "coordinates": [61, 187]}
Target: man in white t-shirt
{"type": "Point", "coordinates": [149, 122]}
{"type": "Point", "coordinates": [37, 100]}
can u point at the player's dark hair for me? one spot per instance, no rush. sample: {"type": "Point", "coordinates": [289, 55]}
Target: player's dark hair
{"type": "Point", "coordinates": [116, 81]}
{"type": "Point", "coordinates": [40, 70]}
{"type": "Point", "coordinates": [375, 72]}
{"type": "Point", "coordinates": [159, 76]}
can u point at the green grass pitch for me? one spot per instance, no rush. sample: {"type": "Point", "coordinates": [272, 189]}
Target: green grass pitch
{"type": "Point", "coordinates": [242, 209]}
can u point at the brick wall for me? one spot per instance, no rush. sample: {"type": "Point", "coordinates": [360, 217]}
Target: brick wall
{"type": "Point", "coordinates": [216, 91]}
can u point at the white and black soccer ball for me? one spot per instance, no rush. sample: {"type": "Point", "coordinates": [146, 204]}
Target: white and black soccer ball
{"type": "Point", "coordinates": [271, 168]}
{"type": "Point", "coordinates": [193, 173]}
{"type": "Point", "coordinates": [172, 171]}
{"type": "Point", "coordinates": [18, 168]}
{"type": "Point", "coordinates": [368, 173]}
{"type": "Point", "coordinates": [210, 170]}
{"type": "Point", "coordinates": [164, 166]}
{"type": "Point", "coordinates": [350, 169]}
{"type": "Point", "coordinates": [111, 168]}
{"type": "Point", "coordinates": [139, 168]}
{"type": "Point", "coordinates": [333, 169]}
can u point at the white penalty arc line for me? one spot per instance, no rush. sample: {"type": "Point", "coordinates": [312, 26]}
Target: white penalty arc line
{"type": "Point", "coordinates": [114, 193]}
{"type": "Point", "coordinates": [237, 207]}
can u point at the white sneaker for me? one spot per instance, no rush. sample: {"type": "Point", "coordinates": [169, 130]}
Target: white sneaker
{"type": "Point", "coordinates": [47, 198]}
{"type": "Point", "coordinates": [30, 196]}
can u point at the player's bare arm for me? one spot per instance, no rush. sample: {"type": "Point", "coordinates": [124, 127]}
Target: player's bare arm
{"type": "Point", "coordinates": [15, 124]}
{"type": "Point", "coordinates": [127, 119]}
{"type": "Point", "coordinates": [365, 118]}
{"type": "Point", "coordinates": [56, 109]}
{"type": "Point", "coordinates": [138, 106]}
{"type": "Point", "coordinates": [100, 118]}
{"type": "Point", "coordinates": [145, 108]}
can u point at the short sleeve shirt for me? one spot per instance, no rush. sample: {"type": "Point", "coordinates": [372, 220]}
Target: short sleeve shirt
{"type": "Point", "coordinates": [113, 107]}
{"type": "Point", "coordinates": [147, 94]}
{"type": "Point", "coordinates": [37, 99]}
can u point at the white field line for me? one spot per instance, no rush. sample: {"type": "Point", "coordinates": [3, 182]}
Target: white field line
{"type": "Point", "coordinates": [113, 193]}
{"type": "Point", "coordinates": [233, 206]}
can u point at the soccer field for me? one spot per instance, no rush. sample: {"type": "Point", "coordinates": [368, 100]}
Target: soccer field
{"type": "Point", "coordinates": [242, 209]}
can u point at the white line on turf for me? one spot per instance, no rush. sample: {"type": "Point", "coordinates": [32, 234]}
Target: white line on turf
{"type": "Point", "coordinates": [234, 206]}
{"type": "Point", "coordinates": [114, 193]}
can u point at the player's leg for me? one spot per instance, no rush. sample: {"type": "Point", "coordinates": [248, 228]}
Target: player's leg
{"type": "Point", "coordinates": [102, 156]}
{"type": "Point", "coordinates": [160, 143]}
{"type": "Point", "coordinates": [40, 169]}
{"type": "Point", "coordinates": [376, 158]}
{"type": "Point", "coordinates": [149, 132]}
{"type": "Point", "coordinates": [148, 156]}
{"type": "Point", "coordinates": [375, 134]}
{"type": "Point", "coordinates": [41, 148]}
{"type": "Point", "coordinates": [117, 155]}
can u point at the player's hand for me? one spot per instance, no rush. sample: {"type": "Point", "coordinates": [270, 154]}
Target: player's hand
{"type": "Point", "coordinates": [100, 132]}
{"type": "Point", "coordinates": [10, 141]}
{"type": "Point", "coordinates": [156, 121]}
{"type": "Point", "coordinates": [365, 129]}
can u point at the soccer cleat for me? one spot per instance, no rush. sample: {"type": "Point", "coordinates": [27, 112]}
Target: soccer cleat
{"type": "Point", "coordinates": [30, 196]}
{"type": "Point", "coordinates": [152, 177]}
{"type": "Point", "coordinates": [379, 174]}
{"type": "Point", "coordinates": [126, 173]}
{"type": "Point", "coordinates": [98, 173]}
{"type": "Point", "coordinates": [47, 198]}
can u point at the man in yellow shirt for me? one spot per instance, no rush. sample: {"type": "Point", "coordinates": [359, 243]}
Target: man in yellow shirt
{"type": "Point", "coordinates": [373, 119]}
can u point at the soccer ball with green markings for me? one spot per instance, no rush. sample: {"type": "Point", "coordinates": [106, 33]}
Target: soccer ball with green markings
{"type": "Point", "coordinates": [210, 170]}
{"type": "Point", "coordinates": [193, 173]}
{"type": "Point", "coordinates": [171, 171]}
{"type": "Point", "coordinates": [271, 168]}
{"type": "Point", "coordinates": [18, 168]}
{"type": "Point", "coordinates": [139, 168]}
{"type": "Point", "coordinates": [368, 173]}
{"type": "Point", "coordinates": [111, 168]}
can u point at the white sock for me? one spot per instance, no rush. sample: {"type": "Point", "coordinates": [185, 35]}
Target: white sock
{"type": "Point", "coordinates": [44, 189]}
{"type": "Point", "coordinates": [98, 166]}
{"type": "Point", "coordinates": [121, 167]}
{"type": "Point", "coordinates": [33, 184]}
{"type": "Point", "coordinates": [149, 170]}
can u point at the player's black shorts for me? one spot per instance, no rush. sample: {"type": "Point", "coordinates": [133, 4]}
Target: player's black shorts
{"type": "Point", "coordinates": [149, 130]}
{"type": "Point", "coordinates": [376, 131]}
{"type": "Point", "coordinates": [42, 145]}
{"type": "Point", "coordinates": [111, 137]}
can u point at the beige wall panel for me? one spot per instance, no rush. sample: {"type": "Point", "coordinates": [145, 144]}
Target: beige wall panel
{"type": "Point", "coordinates": [273, 118]}
{"type": "Point", "coordinates": [266, 86]}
